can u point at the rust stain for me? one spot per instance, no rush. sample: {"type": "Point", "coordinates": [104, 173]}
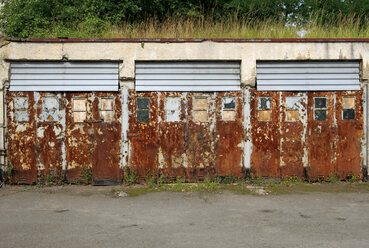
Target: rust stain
{"type": "Point", "coordinates": [349, 135]}
{"type": "Point", "coordinates": [21, 136]}
{"type": "Point", "coordinates": [292, 137]}
{"type": "Point", "coordinates": [172, 151]}
{"type": "Point", "coordinates": [167, 136]}
{"type": "Point", "coordinates": [106, 137]}
{"type": "Point", "coordinates": [321, 139]}
{"type": "Point", "coordinates": [229, 146]}
{"type": "Point", "coordinates": [50, 138]}
{"type": "Point", "coordinates": [200, 139]}
{"type": "Point", "coordinates": [143, 135]}
{"type": "Point", "coordinates": [79, 139]}
{"type": "Point", "coordinates": [265, 137]}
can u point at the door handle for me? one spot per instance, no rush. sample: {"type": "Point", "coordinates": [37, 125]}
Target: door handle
{"type": "Point", "coordinates": [97, 121]}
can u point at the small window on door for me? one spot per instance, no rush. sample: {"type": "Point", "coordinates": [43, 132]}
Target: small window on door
{"type": "Point", "coordinates": [292, 108]}
{"type": "Point", "coordinates": [264, 109]}
{"type": "Point", "coordinates": [21, 109]}
{"type": "Point", "coordinates": [79, 109]}
{"type": "Point", "coordinates": [229, 109]}
{"type": "Point", "coordinates": [49, 109]}
{"type": "Point", "coordinates": [320, 108]}
{"type": "Point", "coordinates": [172, 108]}
{"type": "Point", "coordinates": [106, 109]}
{"type": "Point", "coordinates": [143, 113]}
{"type": "Point", "coordinates": [348, 105]}
{"type": "Point", "coordinates": [200, 109]}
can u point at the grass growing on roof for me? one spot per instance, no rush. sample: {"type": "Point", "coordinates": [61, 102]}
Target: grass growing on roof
{"type": "Point", "coordinates": [179, 27]}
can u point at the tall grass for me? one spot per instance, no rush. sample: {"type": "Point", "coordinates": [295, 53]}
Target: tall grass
{"type": "Point", "coordinates": [177, 27]}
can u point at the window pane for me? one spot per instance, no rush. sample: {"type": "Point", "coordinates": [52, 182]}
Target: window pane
{"type": "Point", "coordinates": [229, 103]}
{"type": "Point", "coordinates": [49, 115]}
{"type": "Point", "coordinates": [107, 115]}
{"type": "Point", "coordinates": [264, 115]}
{"type": "Point", "coordinates": [107, 104]}
{"type": "Point", "coordinates": [292, 115]}
{"type": "Point", "coordinates": [173, 103]}
{"type": "Point", "coordinates": [201, 103]}
{"type": "Point", "coordinates": [320, 115]}
{"type": "Point", "coordinates": [264, 103]}
{"type": "Point", "coordinates": [143, 103]}
{"type": "Point", "coordinates": [79, 116]}
{"type": "Point", "coordinates": [143, 116]}
{"type": "Point", "coordinates": [50, 103]}
{"type": "Point", "coordinates": [292, 102]}
{"type": "Point", "coordinates": [79, 104]}
{"type": "Point", "coordinates": [348, 102]}
{"type": "Point", "coordinates": [320, 102]}
{"type": "Point", "coordinates": [348, 114]}
{"type": "Point", "coordinates": [20, 102]}
{"type": "Point", "coordinates": [21, 115]}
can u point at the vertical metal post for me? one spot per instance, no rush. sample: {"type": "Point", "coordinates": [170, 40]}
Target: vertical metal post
{"type": "Point", "coordinates": [247, 147]}
{"type": "Point", "coordinates": [366, 131]}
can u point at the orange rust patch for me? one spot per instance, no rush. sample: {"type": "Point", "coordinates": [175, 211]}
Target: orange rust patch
{"type": "Point", "coordinates": [265, 137]}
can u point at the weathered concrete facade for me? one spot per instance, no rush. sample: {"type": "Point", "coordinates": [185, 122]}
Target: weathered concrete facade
{"type": "Point", "coordinates": [187, 134]}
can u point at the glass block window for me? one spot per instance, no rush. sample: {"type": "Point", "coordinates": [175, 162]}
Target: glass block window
{"type": "Point", "coordinates": [229, 109]}
{"type": "Point", "coordinates": [348, 108]}
{"type": "Point", "coordinates": [264, 109]}
{"type": "Point", "coordinates": [320, 108]}
{"type": "Point", "coordinates": [49, 109]}
{"type": "Point", "coordinates": [200, 108]}
{"type": "Point", "coordinates": [79, 109]}
{"type": "Point", "coordinates": [106, 109]}
{"type": "Point", "coordinates": [21, 109]}
{"type": "Point", "coordinates": [142, 109]}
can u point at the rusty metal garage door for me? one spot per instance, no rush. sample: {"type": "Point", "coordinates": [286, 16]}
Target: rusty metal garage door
{"type": "Point", "coordinates": [192, 135]}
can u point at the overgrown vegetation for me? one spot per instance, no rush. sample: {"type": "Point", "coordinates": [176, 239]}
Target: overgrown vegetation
{"type": "Point", "coordinates": [86, 174]}
{"type": "Point", "coordinates": [185, 19]}
{"type": "Point", "coordinates": [255, 186]}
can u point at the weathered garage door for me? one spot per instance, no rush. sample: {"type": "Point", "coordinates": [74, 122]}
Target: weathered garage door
{"type": "Point", "coordinates": [54, 131]}
{"type": "Point", "coordinates": [316, 134]}
{"type": "Point", "coordinates": [192, 135]}
{"type": "Point", "coordinates": [93, 136]}
{"type": "Point", "coordinates": [21, 136]}
{"type": "Point", "coordinates": [182, 126]}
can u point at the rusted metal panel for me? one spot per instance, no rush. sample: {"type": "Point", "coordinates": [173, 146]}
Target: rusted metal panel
{"type": "Point", "coordinates": [21, 136]}
{"type": "Point", "coordinates": [79, 135]}
{"type": "Point", "coordinates": [172, 124]}
{"type": "Point", "coordinates": [200, 135]}
{"type": "Point", "coordinates": [143, 132]}
{"type": "Point", "coordinates": [93, 136]}
{"type": "Point", "coordinates": [50, 135]}
{"type": "Point", "coordinates": [349, 117]}
{"type": "Point", "coordinates": [321, 135]}
{"type": "Point", "coordinates": [292, 134]}
{"type": "Point", "coordinates": [265, 119]}
{"type": "Point", "coordinates": [106, 113]}
{"type": "Point", "coordinates": [230, 134]}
